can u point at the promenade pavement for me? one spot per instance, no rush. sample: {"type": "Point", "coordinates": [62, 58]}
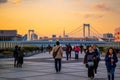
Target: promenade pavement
{"type": "Point", "coordinates": [41, 67]}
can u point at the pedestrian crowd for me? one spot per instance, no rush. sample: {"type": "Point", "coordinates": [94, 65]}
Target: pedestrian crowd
{"type": "Point", "coordinates": [91, 58]}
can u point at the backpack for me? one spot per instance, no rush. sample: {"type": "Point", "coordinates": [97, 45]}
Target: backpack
{"type": "Point", "coordinates": [55, 53]}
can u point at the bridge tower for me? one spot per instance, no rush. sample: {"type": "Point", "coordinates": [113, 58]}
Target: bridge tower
{"type": "Point", "coordinates": [29, 34]}
{"type": "Point", "coordinates": [84, 26]}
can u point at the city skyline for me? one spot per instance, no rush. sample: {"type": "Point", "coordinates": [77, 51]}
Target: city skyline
{"type": "Point", "coordinates": [49, 17]}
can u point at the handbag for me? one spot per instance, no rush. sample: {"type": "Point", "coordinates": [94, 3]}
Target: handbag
{"type": "Point", "coordinates": [55, 53]}
{"type": "Point", "coordinates": [90, 64]}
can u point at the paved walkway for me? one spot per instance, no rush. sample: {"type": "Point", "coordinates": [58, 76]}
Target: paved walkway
{"type": "Point", "coordinates": [41, 67]}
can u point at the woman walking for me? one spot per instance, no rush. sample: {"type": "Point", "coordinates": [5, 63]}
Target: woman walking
{"type": "Point", "coordinates": [77, 50]}
{"type": "Point", "coordinates": [110, 62]}
{"type": "Point", "coordinates": [89, 61]}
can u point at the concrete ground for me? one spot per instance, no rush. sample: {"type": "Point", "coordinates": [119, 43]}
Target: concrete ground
{"type": "Point", "coordinates": [41, 67]}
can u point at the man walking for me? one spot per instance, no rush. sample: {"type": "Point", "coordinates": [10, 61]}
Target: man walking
{"type": "Point", "coordinates": [57, 55]}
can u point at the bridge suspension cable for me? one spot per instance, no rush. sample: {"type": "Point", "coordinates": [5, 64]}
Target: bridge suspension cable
{"type": "Point", "coordinates": [95, 34]}
{"type": "Point", "coordinates": [96, 31]}
{"type": "Point", "coordinates": [75, 30]}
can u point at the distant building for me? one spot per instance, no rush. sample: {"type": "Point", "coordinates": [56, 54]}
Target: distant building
{"type": "Point", "coordinates": [66, 36]}
{"type": "Point", "coordinates": [108, 37]}
{"type": "Point", "coordinates": [9, 35]}
{"type": "Point", "coordinates": [117, 34]}
{"type": "Point", "coordinates": [54, 37]}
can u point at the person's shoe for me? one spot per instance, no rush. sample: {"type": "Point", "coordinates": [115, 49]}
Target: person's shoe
{"type": "Point", "coordinates": [108, 77]}
{"type": "Point", "coordinates": [89, 78]}
{"type": "Point", "coordinates": [56, 71]}
{"type": "Point", "coordinates": [92, 78]}
{"type": "Point", "coordinates": [112, 77]}
{"type": "Point", "coordinates": [15, 65]}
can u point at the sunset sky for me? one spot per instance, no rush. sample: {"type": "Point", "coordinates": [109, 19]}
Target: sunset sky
{"type": "Point", "coordinates": [49, 17]}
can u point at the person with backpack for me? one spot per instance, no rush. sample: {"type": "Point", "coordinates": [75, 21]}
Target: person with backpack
{"type": "Point", "coordinates": [77, 50]}
{"type": "Point", "coordinates": [97, 57]}
{"type": "Point", "coordinates": [110, 62]}
{"type": "Point", "coordinates": [57, 55]}
{"type": "Point", "coordinates": [89, 62]}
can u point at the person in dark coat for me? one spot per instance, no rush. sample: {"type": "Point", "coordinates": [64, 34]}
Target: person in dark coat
{"type": "Point", "coordinates": [97, 57]}
{"type": "Point", "coordinates": [89, 62]}
{"type": "Point", "coordinates": [110, 62]}
{"type": "Point", "coordinates": [67, 53]}
{"type": "Point", "coordinates": [69, 50]}
{"type": "Point", "coordinates": [20, 57]}
{"type": "Point", "coordinates": [15, 55]}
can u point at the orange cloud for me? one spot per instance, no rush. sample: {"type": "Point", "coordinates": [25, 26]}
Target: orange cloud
{"type": "Point", "coordinates": [94, 16]}
{"type": "Point", "coordinates": [102, 7]}
{"type": "Point", "coordinates": [16, 1]}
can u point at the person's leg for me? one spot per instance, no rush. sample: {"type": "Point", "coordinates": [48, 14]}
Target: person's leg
{"type": "Point", "coordinates": [70, 55]}
{"type": "Point", "coordinates": [60, 65]}
{"type": "Point", "coordinates": [112, 72]}
{"type": "Point", "coordinates": [75, 55]}
{"type": "Point", "coordinates": [95, 67]}
{"type": "Point", "coordinates": [15, 62]}
{"type": "Point", "coordinates": [108, 72]}
{"type": "Point", "coordinates": [89, 74]}
{"type": "Point", "coordinates": [56, 67]}
{"type": "Point", "coordinates": [66, 55]}
{"type": "Point", "coordinates": [18, 61]}
{"type": "Point", "coordinates": [78, 55]}
{"type": "Point", "coordinates": [92, 71]}
{"type": "Point", "coordinates": [21, 62]}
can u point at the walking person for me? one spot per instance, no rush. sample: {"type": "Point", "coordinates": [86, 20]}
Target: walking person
{"type": "Point", "coordinates": [57, 55]}
{"type": "Point", "coordinates": [20, 57]}
{"type": "Point", "coordinates": [110, 62]}
{"type": "Point", "coordinates": [85, 48]}
{"type": "Point", "coordinates": [15, 55]}
{"type": "Point", "coordinates": [77, 50]}
{"type": "Point", "coordinates": [69, 50]}
{"type": "Point", "coordinates": [97, 57]}
{"type": "Point", "coordinates": [81, 47]}
{"type": "Point", "coordinates": [89, 62]}
{"type": "Point", "coordinates": [49, 48]}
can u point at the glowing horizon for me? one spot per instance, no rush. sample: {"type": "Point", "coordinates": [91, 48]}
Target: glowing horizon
{"type": "Point", "coordinates": [49, 17]}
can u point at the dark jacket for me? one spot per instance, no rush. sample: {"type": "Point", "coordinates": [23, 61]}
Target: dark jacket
{"type": "Point", "coordinates": [97, 54]}
{"type": "Point", "coordinates": [86, 57]}
{"type": "Point", "coordinates": [68, 49]}
{"type": "Point", "coordinates": [15, 53]}
{"type": "Point", "coordinates": [108, 61]}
